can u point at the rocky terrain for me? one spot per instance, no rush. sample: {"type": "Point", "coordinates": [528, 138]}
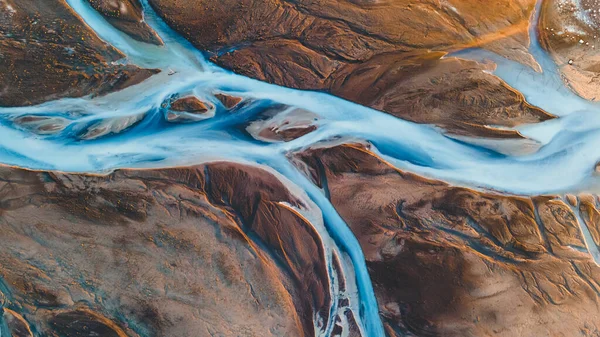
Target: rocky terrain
{"type": "Point", "coordinates": [202, 202]}
{"type": "Point", "coordinates": [570, 31]}
{"type": "Point", "coordinates": [194, 250]}
{"type": "Point", "coordinates": [47, 52]}
{"type": "Point", "coordinates": [127, 16]}
{"type": "Point", "coordinates": [344, 47]}
{"type": "Point", "coordinates": [176, 252]}
{"type": "Point", "coordinates": [452, 261]}
{"type": "Point", "coordinates": [341, 48]}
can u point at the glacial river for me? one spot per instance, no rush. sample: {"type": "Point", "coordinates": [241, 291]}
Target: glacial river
{"type": "Point", "coordinates": [128, 129]}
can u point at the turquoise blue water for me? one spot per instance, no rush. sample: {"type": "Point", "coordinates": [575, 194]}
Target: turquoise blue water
{"type": "Point", "coordinates": [129, 129]}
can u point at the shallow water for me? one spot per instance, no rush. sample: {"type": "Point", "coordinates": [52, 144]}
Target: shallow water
{"type": "Point", "coordinates": [128, 129]}
{"type": "Point", "coordinates": [568, 142]}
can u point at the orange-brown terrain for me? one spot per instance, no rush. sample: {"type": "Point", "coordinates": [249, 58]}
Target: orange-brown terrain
{"type": "Point", "coordinates": [127, 16]}
{"type": "Point", "coordinates": [452, 261]}
{"type": "Point", "coordinates": [47, 52]}
{"type": "Point", "coordinates": [341, 47]}
{"type": "Point", "coordinates": [252, 234]}
{"type": "Point", "coordinates": [218, 249]}
{"type": "Point", "coordinates": [570, 31]}
{"type": "Point", "coordinates": [201, 251]}
{"type": "Point", "coordinates": [345, 47]}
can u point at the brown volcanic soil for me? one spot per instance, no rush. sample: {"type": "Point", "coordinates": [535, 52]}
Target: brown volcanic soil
{"type": "Point", "coordinates": [228, 101]}
{"type": "Point", "coordinates": [320, 44]}
{"type": "Point", "coordinates": [191, 104]}
{"type": "Point", "coordinates": [570, 31]}
{"type": "Point", "coordinates": [201, 251]}
{"type": "Point", "coordinates": [282, 124]}
{"type": "Point", "coordinates": [348, 30]}
{"type": "Point", "coordinates": [453, 93]}
{"type": "Point", "coordinates": [47, 53]}
{"type": "Point", "coordinates": [450, 261]}
{"type": "Point", "coordinates": [127, 16]}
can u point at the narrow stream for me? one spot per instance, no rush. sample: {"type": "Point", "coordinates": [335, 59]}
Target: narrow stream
{"type": "Point", "coordinates": [568, 142]}
{"type": "Point", "coordinates": [128, 129]}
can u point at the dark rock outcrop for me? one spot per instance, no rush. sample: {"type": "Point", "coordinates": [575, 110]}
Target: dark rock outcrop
{"type": "Point", "coordinates": [228, 101]}
{"type": "Point", "coordinates": [190, 104]}
{"type": "Point", "coordinates": [188, 109]}
{"type": "Point", "coordinates": [83, 323]}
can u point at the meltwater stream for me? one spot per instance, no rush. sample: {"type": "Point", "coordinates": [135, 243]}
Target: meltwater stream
{"type": "Point", "coordinates": [128, 129]}
{"type": "Point", "coordinates": [568, 142]}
